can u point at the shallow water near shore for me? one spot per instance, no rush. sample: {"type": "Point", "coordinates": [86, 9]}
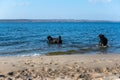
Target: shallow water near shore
{"type": "Point", "coordinates": [29, 38]}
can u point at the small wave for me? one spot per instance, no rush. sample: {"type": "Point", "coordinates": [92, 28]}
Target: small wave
{"type": "Point", "coordinates": [93, 49]}
{"type": "Point", "coordinates": [21, 51]}
{"type": "Point", "coordinates": [28, 36]}
{"type": "Point", "coordinates": [22, 37]}
{"type": "Point", "coordinates": [6, 38]}
{"type": "Point", "coordinates": [12, 43]}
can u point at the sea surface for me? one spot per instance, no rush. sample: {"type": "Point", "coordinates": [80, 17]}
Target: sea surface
{"type": "Point", "coordinates": [30, 38]}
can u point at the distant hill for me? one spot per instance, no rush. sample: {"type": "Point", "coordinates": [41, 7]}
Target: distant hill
{"type": "Point", "coordinates": [51, 20]}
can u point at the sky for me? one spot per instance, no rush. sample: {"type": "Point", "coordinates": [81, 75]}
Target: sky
{"type": "Point", "coordinates": [60, 9]}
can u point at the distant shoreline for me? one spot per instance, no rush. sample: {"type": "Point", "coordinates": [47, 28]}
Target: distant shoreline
{"type": "Point", "coordinates": [53, 20]}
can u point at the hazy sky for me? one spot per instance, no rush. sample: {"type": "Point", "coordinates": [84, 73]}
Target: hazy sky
{"type": "Point", "coordinates": [60, 9]}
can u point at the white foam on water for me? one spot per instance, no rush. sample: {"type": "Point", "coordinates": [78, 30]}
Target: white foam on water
{"type": "Point", "coordinates": [33, 54]}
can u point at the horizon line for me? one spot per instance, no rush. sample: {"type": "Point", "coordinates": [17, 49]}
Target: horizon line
{"type": "Point", "coordinates": [55, 20]}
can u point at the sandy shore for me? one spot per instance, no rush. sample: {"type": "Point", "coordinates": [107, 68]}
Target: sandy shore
{"type": "Point", "coordinates": [63, 67]}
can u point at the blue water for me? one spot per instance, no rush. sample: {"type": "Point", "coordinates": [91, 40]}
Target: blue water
{"type": "Point", "coordinates": [29, 38]}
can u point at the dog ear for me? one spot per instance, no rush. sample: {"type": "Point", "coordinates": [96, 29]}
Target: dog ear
{"type": "Point", "coordinates": [101, 35]}
{"type": "Point", "coordinates": [49, 37]}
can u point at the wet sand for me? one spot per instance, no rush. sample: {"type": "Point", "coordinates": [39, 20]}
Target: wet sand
{"type": "Point", "coordinates": [62, 67]}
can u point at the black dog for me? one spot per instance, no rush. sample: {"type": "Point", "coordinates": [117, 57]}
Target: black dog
{"type": "Point", "coordinates": [52, 40]}
{"type": "Point", "coordinates": [103, 41]}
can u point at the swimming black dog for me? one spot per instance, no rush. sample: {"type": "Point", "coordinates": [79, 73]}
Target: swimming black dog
{"type": "Point", "coordinates": [52, 40]}
{"type": "Point", "coordinates": [103, 41]}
